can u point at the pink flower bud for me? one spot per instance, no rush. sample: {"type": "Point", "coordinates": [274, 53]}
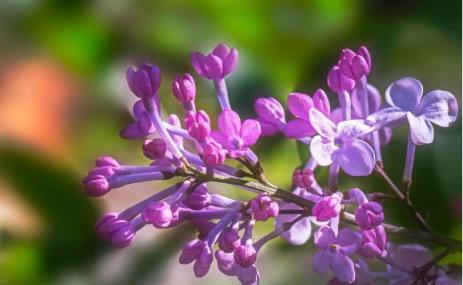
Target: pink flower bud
{"type": "Point", "coordinates": [198, 199]}
{"type": "Point", "coordinates": [154, 149]}
{"type": "Point", "coordinates": [338, 82]}
{"type": "Point", "coordinates": [373, 243]}
{"type": "Point", "coordinates": [303, 178]}
{"type": "Point", "coordinates": [328, 207]}
{"type": "Point", "coordinates": [213, 153]}
{"type": "Point", "coordinates": [245, 255]}
{"type": "Point", "coordinates": [184, 88]}
{"type": "Point", "coordinates": [198, 125]}
{"type": "Point", "coordinates": [96, 185]}
{"type": "Point", "coordinates": [270, 110]}
{"type": "Point", "coordinates": [216, 65]}
{"type": "Point", "coordinates": [263, 207]}
{"type": "Point", "coordinates": [114, 230]}
{"type": "Point", "coordinates": [203, 262]}
{"type": "Point", "coordinates": [106, 161]}
{"type": "Point", "coordinates": [229, 240]}
{"type": "Point", "coordinates": [369, 215]}
{"type": "Point", "coordinates": [159, 214]}
{"type": "Point", "coordinates": [355, 65]}
{"type": "Point", "coordinates": [226, 263]}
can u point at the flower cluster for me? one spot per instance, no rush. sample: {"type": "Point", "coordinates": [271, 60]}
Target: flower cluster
{"type": "Point", "coordinates": [347, 224]}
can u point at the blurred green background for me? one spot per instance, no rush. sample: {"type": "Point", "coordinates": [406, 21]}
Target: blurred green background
{"type": "Point", "coordinates": [63, 100]}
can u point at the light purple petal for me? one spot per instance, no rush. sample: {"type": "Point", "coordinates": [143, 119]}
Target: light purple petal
{"type": "Point", "coordinates": [298, 128]}
{"type": "Point", "coordinates": [321, 261]}
{"type": "Point", "coordinates": [213, 66]}
{"type": "Point", "coordinates": [321, 102]}
{"type": "Point", "coordinates": [230, 62]}
{"type": "Point", "coordinates": [324, 237]}
{"type": "Point", "coordinates": [343, 268]}
{"type": "Point", "coordinates": [221, 50]}
{"type": "Point", "coordinates": [405, 93]}
{"type": "Point", "coordinates": [299, 105]}
{"type": "Point", "coordinates": [230, 123]}
{"type": "Point", "coordinates": [356, 158]}
{"type": "Point", "coordinates": [322, 124]}
{"type": "Point", "coordinates": [353, 129]}
{"type": "Point", "coordinates": [322, 151]}
{"type": "Point", "coordinates": [300, 232]}
{"type": "Point", "coordinates": [348, 240]}
{"type": "Point", "coordinates": [439, 107]}
{"type": "Point", "coordinates": [221, 138]}
{"type": "Point", "coordinates": [250, 132]}
{"type": "Point", "coordinates": [386, 116]}
{"type": "Point", "coordinates": [421, 129]}
{"type": "Point", "coordinates": [336, 115]}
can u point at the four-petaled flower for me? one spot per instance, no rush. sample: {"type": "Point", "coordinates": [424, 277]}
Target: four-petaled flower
{"type": "Point", "coordinates": [341, 144]}
{"type": "Point", "coordinates": [235, 136]}
{"type": "Point", "coordinates": [335, 252]}
{"type": "Point", "coordinates": [404, 95]}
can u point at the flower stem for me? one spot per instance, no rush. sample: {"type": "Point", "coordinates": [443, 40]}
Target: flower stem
{"type": "Point", "coordinates": [222, 93]}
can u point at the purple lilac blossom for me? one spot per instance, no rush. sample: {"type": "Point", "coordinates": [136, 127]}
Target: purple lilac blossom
{"type": "Point", "coordinates": [271, 115]}
{"type": "Point", "coordinates": [341, 144]}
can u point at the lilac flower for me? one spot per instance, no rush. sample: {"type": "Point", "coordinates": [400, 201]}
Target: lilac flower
{"type": "Point", "coordinates": [142, 126]}
{"type": "Point", "coordinates": [216, 65]}
{"type": "Point", "coordinates": [199, 198]}
{"type": "Point", "coordinates": [199, 252]}
{"type": "Point", "coordinates": [405, 96]}
{"type": "Point", "coordinates": [299, 105]}
{"type": "Point", "coordinates": [369, 215]}
{"type": "Point", "coordinates": [341, 144]}
{"type": "Point", "coordinates": [271, 115]}
{"type": "Point", "coordinates": [303, 178]}
{"type": "Point", "coordinates": [373, 243]}
{"type": "Point", "coordinates": [229, 239]}
{"type": "Point", "coordinates": [227, 265]}
{"type": "Point", "coordinates": [235, 136]}
{"type": "Point", "coordinates": [184, 88]}
{"type": "Point", "coordinates": [145, 81]}
{"type": "Point", "coordinates": [198, 124]}
{"type": "Point", "coordinates": [335, 252]}
{"type": "Point", "coordinates": [154, 149]}
{"type": "Point", "coordinates": [328, 207]}
{"type": "Point", "coordinates": [263, 207]}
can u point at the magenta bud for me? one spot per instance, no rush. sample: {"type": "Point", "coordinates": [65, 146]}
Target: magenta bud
{"type": "Point", "coordinates": [373, 243]}
{"type": "Point", "coordinates": [216, 65]}
{"type": "Point", "coordinates": [226, 263]}
{"type": "Point", "coordinates": [270, 110]}
{"type": "Point", "coordinates": [106, 161]}
{"type": "Point", "coordinates": [144, 124]}
{"type": "Point", "coordinates": [328, 207]}
{"type": "Point", "coordinates": [191, 250]}
{"type": "Point", "coordinates": [365, 54]}
{"type": "Point", "coordinates": [338, 82]}
{"type": "Point", "coordinates": [303, 178]}
{"type": "Point", "coordinates": [369, 215]}
{"type": "Point", "coordinates": [245, 255]}
{"type": "Point", "coordinates": [145, 81]}
{"type": "Point", "coordinates": [229, 240]}
{"type": "Point", "coordinates": [159, 214]}
{"type": "Point", "coordinates": [198, 124]}
{"type": "Point", "coordinates": [154, 149]}
{"type": "Point", "coordinates": [213, 153]}
{"type": "Point", "coordinates": [203, 262]}
{"type": "Point", "coordinates": [114, 230]}
{"type": "Point", "coordinates": [355, 65]}
{"type": "Point", "coordinates": [263, 207]}
{"type": "Point", "coordinates": [96, 185]}
{"type": "Point", "coordinates": [184, 88]}
{"type": "Point", "coordinates": [198, 199]}
{"type": "Point", "coordinates": [106, 171]}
